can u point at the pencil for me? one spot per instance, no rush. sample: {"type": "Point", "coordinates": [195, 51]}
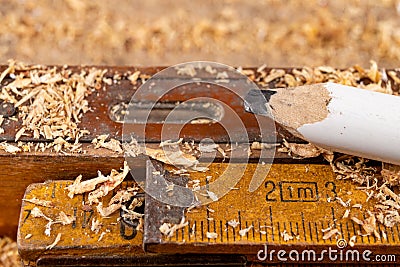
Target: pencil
{"type": "Point", "coordinates": [341, 119]}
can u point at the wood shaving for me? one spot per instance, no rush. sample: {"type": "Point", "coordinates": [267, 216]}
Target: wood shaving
{"type": "Point", "coordinates": [222, 75]}
{"type": "Point", "coordinates": [96, 225]}
{"type": "Point", "coordinates": [352, 240]}
{"type": "Point", "coordinates": [346, 214]}
{"type": "Point", "coordinates": [169, 229]}
{"type": "Point", "coordinates": [107, 211]}
{"type": "Point", "coordinates": [368, 225]}
{"type": "Point", "coordinates": [341, 202]}
{"type": "Point", "coordinates": [37, 213]}
{"type": "Point", "coordinates": [44, 203]}
{"type": "Point", "coordinates": [50, 101]}
{"type": "Point", "coordinates": [101, 236]}
{"type": "Point", "coordinates": [134, 77]}
{"type": "Point", "coordinates": [391, 177]}
{"type": "Point", "coordinates": [108, 183]}
{"type": "Point", "coordinates": [259, 146]}
{"type": "Point", "coordinates": [211, 235]}
{"type": "Point", "coordinates": [212, 195]}
{"type": "Point", "coordinates": [130, 214]}
{"type": "Point", "coordinates": [384, 235]}
{"type": "Point", "coordinates": [113, 180]}
{"type": "Point", "coordinates": [169, 154]}
{"type": "Point", "coordinates": [132, 149]}
{"type": "Point", "coordinates": [243, 232]}
{"type": "Point", "coordinates": [186, 70]}
{"type": "Point", "coordinates": [286, 236]}
{"type": "Point", "coordinates": [273, 74]}
{"type": "Point", "coordinates": [124, 195]}
{"type": "Point", "coordinates": [20, 133]}
{"type": "Point", "coordinates": [28, 236]}
{"type": "Point", "coordinates": [177, 158]}
{"type": "Point", "coordinates": [65, 219]}
{"type": "Point", "coordinates": [9, 253]}
{"type": "Point", "coordinates": [52, 245]}
{"type": "Point", "coordinates": [112, 144]}
{"type": "Point", "coordinates": [301, 151]}
{"type": "Point", "coordinates": [170, 143]}
{"type": "Point", "coordinates": [79, 187]}
{"type": "Point", "coordinates": [330, 233]}
{"type": "Point", "coordinates": [62, 218]}
{"type": "Point", "coordinates": [210, 69]}
{"type": "Point", "coordinates": [208, 148]}
{"type": "Point", "coordinates": [9, 148]}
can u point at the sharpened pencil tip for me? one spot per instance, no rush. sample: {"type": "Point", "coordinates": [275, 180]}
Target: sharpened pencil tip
{"type": "Point", "coordinates": [256, 101]}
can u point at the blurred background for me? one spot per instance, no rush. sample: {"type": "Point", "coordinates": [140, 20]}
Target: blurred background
{"type": "Point", "coordinates": [339, 33]}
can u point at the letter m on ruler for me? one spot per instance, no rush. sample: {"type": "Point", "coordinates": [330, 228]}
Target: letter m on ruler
{"type": "Point", "coordinates": [298, 191]}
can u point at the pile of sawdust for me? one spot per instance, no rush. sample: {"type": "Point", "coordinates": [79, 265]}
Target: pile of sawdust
{"type": "Point", "coordinates": [9, 253]}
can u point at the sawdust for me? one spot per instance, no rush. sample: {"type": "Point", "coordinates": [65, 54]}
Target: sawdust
{"type": "Point", "coordinates": [112, 144]}
{"type": "Point", "coordinates": [331, 233]}
{"type": "Point", "coordinates": [294, 107]}
{"type": "Point", "coordinates": [56, 240]}
{"type": "Point", "coordinates": [244, 231]}
{"type": "Point", "coordinates": [50, 100]}
{"type": "Point", "coordinates": [107, 184]}
{"type": "Point", "coordinates": [36, 201]}
{"type": "Point", "coordinates": [211, 235]}
{"type": "Point", "coordinates": [9, 253]}
{"type": "Point", "coordinates": [301, 151]}
{"type": "Point", "coordinates": [169, 229]}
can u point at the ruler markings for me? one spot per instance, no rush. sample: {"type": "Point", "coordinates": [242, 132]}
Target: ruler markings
{"type": "Point", "coordinates": [392, 234]}
{"type": "Point", "coordinates": [341, 230]}
{"type": "Point", "coordinates": [188, 230]}
{"type": "Point", "coordinates": [53, 193]}
{"type": "Point", "coordinates": [202, 230]}
{"type": "Point", "coordinates": [360, 229]}
{"type": "Point", "coordinates": [207, 219]}
{"type": "Point", "coordinates": [227, 230]}
{"type": "Point", "coordinates": [304, 228]}
{"type": "Point", "coordinates": [322, 227]}
{"type": "Point", "coordinates": [278, 218]}
{"type": "Point", "coordinates": [28, 213]}
{"type": "Point", "coordinates": [215, 228]}
{"type": "Point", "coordinates": [220, 231]}
{"type": "Point", "coordinates": [348, 231]}
{"type": "Point", "coordinates": [272, 224]}
{"type": "Point", "coordinates": [279, 232]}
{"type": "Point", "coordinates": [253, 230]}
{"type": "Point", "coordinates": [75, 215]}
{"type": "Point", "coordinates": [195, 229]}
{"type": "Point", "coordinates": [388, 234]}
{"type": "Point", "coordinates": [369, 241]}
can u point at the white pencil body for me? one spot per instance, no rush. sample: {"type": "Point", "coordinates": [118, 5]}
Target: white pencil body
{"type": "Point", "coordinates": [359, 122]}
